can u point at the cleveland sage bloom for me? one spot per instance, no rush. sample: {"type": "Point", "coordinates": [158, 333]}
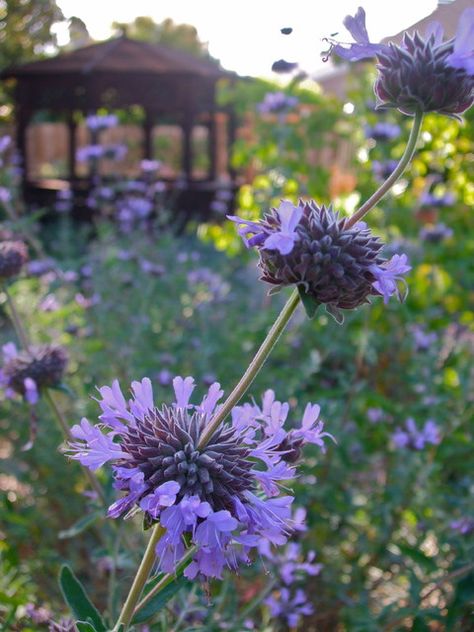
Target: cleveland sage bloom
{"type": "Point", "coordinates": [13, 255]}
{"type": "Point", "coordinates": [311, 247]}
{"type": "Point", "coordinates": [423, 74]}
{"type": "Point", "coordinates": [27, 372]}
{"type": "Point", "coordinates": [222, 497]}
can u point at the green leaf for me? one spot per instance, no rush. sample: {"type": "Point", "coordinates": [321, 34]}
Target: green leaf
{"type": "Point", "coordinates": [161, 599]}
{"type": "Point", "coordinates": [77, 599]}
{"type": "Point", "coordinates": [64, 388]}
{"type": "Point", "coordinates": [427, 563]}
{"type": "Point", "coordinates": [79, 526]}
{"type": "Point", "coordinates": [85, 626]}
{"type": "Point", "coordinates": [310, 304]}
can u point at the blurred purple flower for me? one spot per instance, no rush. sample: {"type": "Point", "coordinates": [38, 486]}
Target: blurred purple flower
{"type": "Point", "coordinates": [463, 52]}
{"type": "Point", "coordinates": [383, 131]}
{"type": "Point", "coordinates": [275, 102]}
{"type": "Point", "coordinates": [416, 439]}
{"type": "Point", "coordinates": [436, 233]}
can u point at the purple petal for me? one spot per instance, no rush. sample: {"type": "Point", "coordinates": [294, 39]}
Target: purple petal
{"type": "Point", "coordinates": [183, 390]}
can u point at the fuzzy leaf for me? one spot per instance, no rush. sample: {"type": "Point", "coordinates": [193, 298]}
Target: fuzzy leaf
{"type": "Point", "coordinates": [85, 626]}
{"type": "Point", "coordinates": [79, 526]}
{"type": "Point", "coordinates": [77, 599]}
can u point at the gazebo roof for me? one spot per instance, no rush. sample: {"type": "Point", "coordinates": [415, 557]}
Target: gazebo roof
{"type": "Point", "coordinates": [119, 55]}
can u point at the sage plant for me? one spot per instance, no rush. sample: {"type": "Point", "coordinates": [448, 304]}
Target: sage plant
{"type": "Point", "coordinates": [208, 478]}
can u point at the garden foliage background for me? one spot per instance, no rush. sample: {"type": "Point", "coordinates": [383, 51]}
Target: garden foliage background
{"type": "Point", "coordinates": [392, 526]}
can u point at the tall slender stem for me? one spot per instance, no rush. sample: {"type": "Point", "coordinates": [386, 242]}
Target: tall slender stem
{"type": "Point", "coordinates": [140, 578]}
{"type": "Point", "coordinates": [253, 368]}
{"type": "Point", "coordinates": [93, 482]}
{"type": "Point", "coordinates": [399, 169]}
{"type": "Point", "coordinates": [26, 344]}
{"type": "Point", "coordinates": [16, 320]}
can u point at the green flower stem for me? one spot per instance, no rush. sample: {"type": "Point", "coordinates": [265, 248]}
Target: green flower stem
{"type": "Point", "coordinates": [140, 578]}
{"type": "Point", "coordinates": [399, 169]}
{"type": "Point", "coordinates": [93, 482]}
{"type": "Point", "coordinates": [16, 321]}
{"type": "Point", "coordinates": [166, 579]}
{"type": "Point", "coordinates": [253, 368]}
{"type": "Point", "coordinates": [25, 343]}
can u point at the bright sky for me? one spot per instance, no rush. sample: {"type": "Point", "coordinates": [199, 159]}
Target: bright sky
{"type": "Point", "coordinates": [245, 34]}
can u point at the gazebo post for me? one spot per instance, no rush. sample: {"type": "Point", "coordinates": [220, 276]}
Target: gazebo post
{"type": "Point", "coordinates": [187, 127]}
{"type": "Point", "coordinates": [232, 132]}
{"type": "Point", "coordinates": [23, 117]}
{"type": "Point", "coordinates": [212, 146]}
{"type": "Point", "coordinates": [148, 136]}
{"type": "Point", "coordinates": [72, 146]}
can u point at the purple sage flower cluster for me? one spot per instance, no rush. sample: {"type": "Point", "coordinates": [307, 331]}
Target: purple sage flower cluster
{"type": "Point", "coordinates": [423, 74]}
{"type": "Point", "coordinates": [411, 437]}
{"type": "Point", "coordinates": [330, 261]}
{"type": "Point", "coordinates": [224, 495]}
{"type": "Point", "coordinates": [25, 373]}
{"type": "Point", "coordinates": [277, 103]}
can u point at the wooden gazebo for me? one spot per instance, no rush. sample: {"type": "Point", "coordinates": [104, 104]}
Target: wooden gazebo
{"type": "Point", "coordinates": [121, 73]}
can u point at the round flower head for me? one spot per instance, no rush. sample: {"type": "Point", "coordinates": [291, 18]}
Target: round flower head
{"type": "Point", "coordinates": [223, 495]}
{"type": "Point", "coordinates": [13, 255]}
{"type": "Point", "coordinates": [416, 76]}
{"type": "Point", "coordinates": [311, 247]}
{"type": "Point", "coordinates": [423, 74]}
{"type": "Point", "coordinates": [26, 372]}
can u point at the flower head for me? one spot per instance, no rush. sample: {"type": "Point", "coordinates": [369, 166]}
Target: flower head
{"type": "Point", "coordinates": [423, 74]}
{"type": "Point", "coordinates": [411, 437]}
{"type": "Point", "coordinates": [311, 247]}
{"type": "Point", "coordinates": [223, 495]}
{"type": "Point", "coordinates": [27, 372]}
{"type": "Point", "coordinates": [13, 255]}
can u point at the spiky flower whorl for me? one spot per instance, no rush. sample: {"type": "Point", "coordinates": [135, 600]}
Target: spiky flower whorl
{"type": "Point", "coordinates": [13, 255]}
{"type": "Point", "coordinates": [329, 261]}
{"type": "Point", "coordinates": [221, 494]}
{"type": "Point", "coordinates": [416, 76]}
{"type": "Point", "coordinates": [165, 448]}
{"type": "Point", "coordinates": [44, 365]}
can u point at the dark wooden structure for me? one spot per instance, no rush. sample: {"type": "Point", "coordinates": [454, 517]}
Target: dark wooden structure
{"type": "Point", "coordinates": [120, 73]}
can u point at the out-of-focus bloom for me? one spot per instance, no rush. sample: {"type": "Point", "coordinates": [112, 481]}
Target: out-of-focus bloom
{"type": "Point", "coordinates": [422, 339]}
{"type": "Point", "coordinates": [289, 606]}
{"type": "Point", "coordinates": [388, 277]}
{"type": "Point", "coordinates": [311, 247]}
{"type": "Point", "coordinates": [435, 233]}
{"type": "Point", "coordinates": [383, 131]}
{"type": "Point", "coordinates": [438, 201]}
{"type": "Point", "coordinates": [282, 66]}
{"type": "Point", "coordinates": [150, 166]}
{"type": "Point", "coordinates": [38, 267]}
{"type": "Point", "coordinates": [5, 142]}
{"type": "Point", "coordinates": [274, 102]}
{"type": "Point", "coordinates": [115, 152]}
{"type": "Point", "coordinates": [375, 415]}
{"type": "Point", "coordinates": [13, 255]}
{"type": "Point", "coordinates": [463, 50]}
{"type": "Point", "coordinates": [382, 170]}
{"type": "Point", "coordinates": [27, 372]}
{"type": "Point", "coordinates": [89, 152]}
{"type": "Point", "coordinates": [411, 437]}
{"type": "Point", "coordinates": [96, 122]}
{"type": "Point", "coordinates": [223, 496]}
{"type": "Point", "coordinates": [5, 195]}
{"type": "Point", "coordinates": [422, 74]}
{"type": "Point", "coordinates": [464, 525]}
{"type": "Point", "coordinates": [37, 614]}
